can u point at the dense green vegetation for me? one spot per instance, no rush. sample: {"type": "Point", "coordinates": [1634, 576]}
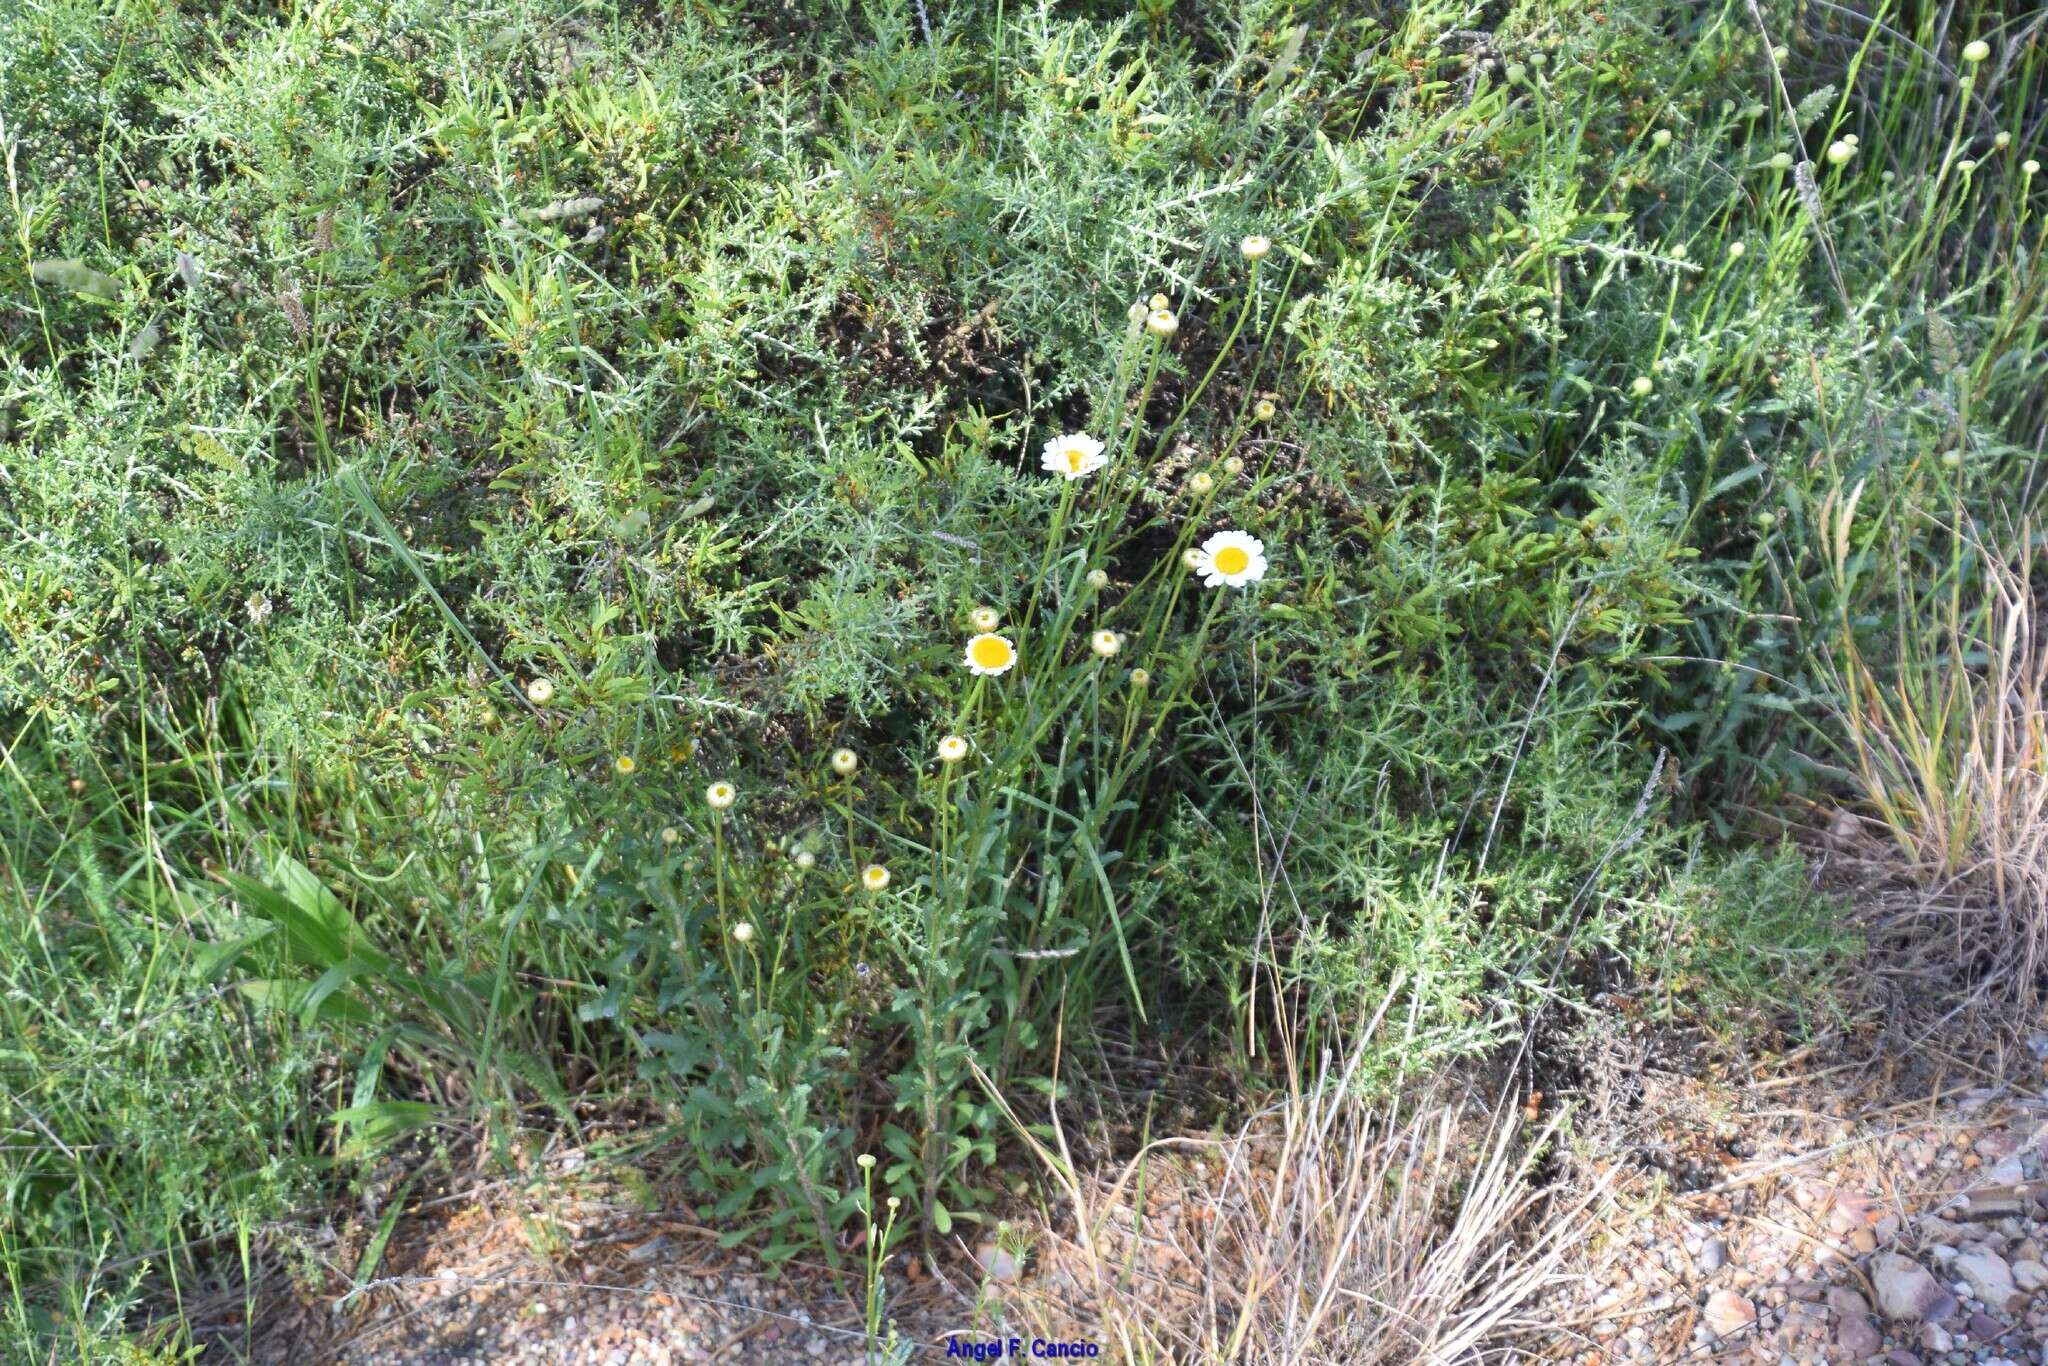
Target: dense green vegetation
{"type": "Point", "coordinates": [439, 446]}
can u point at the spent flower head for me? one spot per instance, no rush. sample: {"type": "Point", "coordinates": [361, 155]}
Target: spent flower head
{"type": "Point", "coordinates": [1201, 481]}
{"type": "Point", "coordinates": [874, 877]}
{"type": "Point", "coordinates": [1161, 323]}
{"type": "Point", "coordinates": [539, 691]}
{"type": "Point", "coordinates": [984, 618]}
{"type": "Point", "coordinates": [844, 761]}
{"type": "Point", "coordinates": [1106, 643]}
{"type": "Point", "coordinates": [743, 932]}
{"type": "Point", "coordinates": [1255, 247]}
{"type": "Point", "coordinates": [952, 749]}
{"type": "Point", "coordinates": [1098, 579]}
{"type": "Point", "coordinates": [720, 795]}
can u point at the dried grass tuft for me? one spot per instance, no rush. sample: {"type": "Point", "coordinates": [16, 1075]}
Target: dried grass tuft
{"type": "Point", "coordinates": [1337, 1224]}
{"type": "Point", "coordinates": [1947, 744]}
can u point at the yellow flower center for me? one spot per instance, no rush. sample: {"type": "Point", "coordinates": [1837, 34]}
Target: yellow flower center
{"type": "Point", "coordinates": [991, 652]}
{"type": "Point", "coordinates": [1232, 559]}
{"type": "Point", "coordinates": [1074, 458]}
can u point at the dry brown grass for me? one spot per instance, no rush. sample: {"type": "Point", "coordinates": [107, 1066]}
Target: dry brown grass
{"type": "Point", "coordinates": [1339, 1224]}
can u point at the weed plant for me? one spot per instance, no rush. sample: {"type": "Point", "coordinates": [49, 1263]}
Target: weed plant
{"type": "Point", "coordinates": [466, 477]}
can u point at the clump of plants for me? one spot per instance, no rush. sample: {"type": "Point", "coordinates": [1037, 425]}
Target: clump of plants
{"type": "Point", "coordinates": [567, 566]}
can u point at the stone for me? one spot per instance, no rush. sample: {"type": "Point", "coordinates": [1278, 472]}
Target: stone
{"type": "Point", "coordinates": [1000, 1263]}
{"type": "Point", "coordinates": [1713, 1256]}
{"type": "Point", "coordinates": [1858, 1337]}
{"type": "Point", "coordinates": [1864, 1240]}
{"type": "Point", "coordinates": [1989, 1276]}
{"type": "Point", "coordinates": [1996, 1144]}
{"type": "Point", "coordinates": [1984, 1328]}
{"type": "Point", "coordinates": [1845, 1301]}
{"type": "Point", "coordinates": [1936, 1339]}
{"type": "Point", "coordinates": [1804, 1321]}
{"type": "Point", "coordinates": [1850, 1212]}
{"type": "Point", "coordinates": [1904, 1289]}
{"type": "Point", "coordinates": [2029, 1275]}
{"type": "Point", "coordinates": [1727, 1313]}
{"type": "Point", "coordinates": [1902, 1357]}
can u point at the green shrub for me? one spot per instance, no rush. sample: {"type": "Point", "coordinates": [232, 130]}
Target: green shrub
{"type": "Point", "coordinates": [372, 363]}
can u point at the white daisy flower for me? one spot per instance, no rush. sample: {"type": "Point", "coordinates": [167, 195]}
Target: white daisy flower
{"type": "Point", "coordinates": [1105, 643]}
{"type": "Point", "coordinates": [844, 762]}
{"type": "Point", "coordinates": [952, 749]}
{"type": "Point", "coordinates": [874, 877]}
{"type": "Point", "coordinates": [1073, 456]}
{"type": "Point", "coordinates": [719, 796]}
{"type": "Point", "coordinates": [1232, 559]}
{"type": "Point", "coordinates": [990, 655]}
